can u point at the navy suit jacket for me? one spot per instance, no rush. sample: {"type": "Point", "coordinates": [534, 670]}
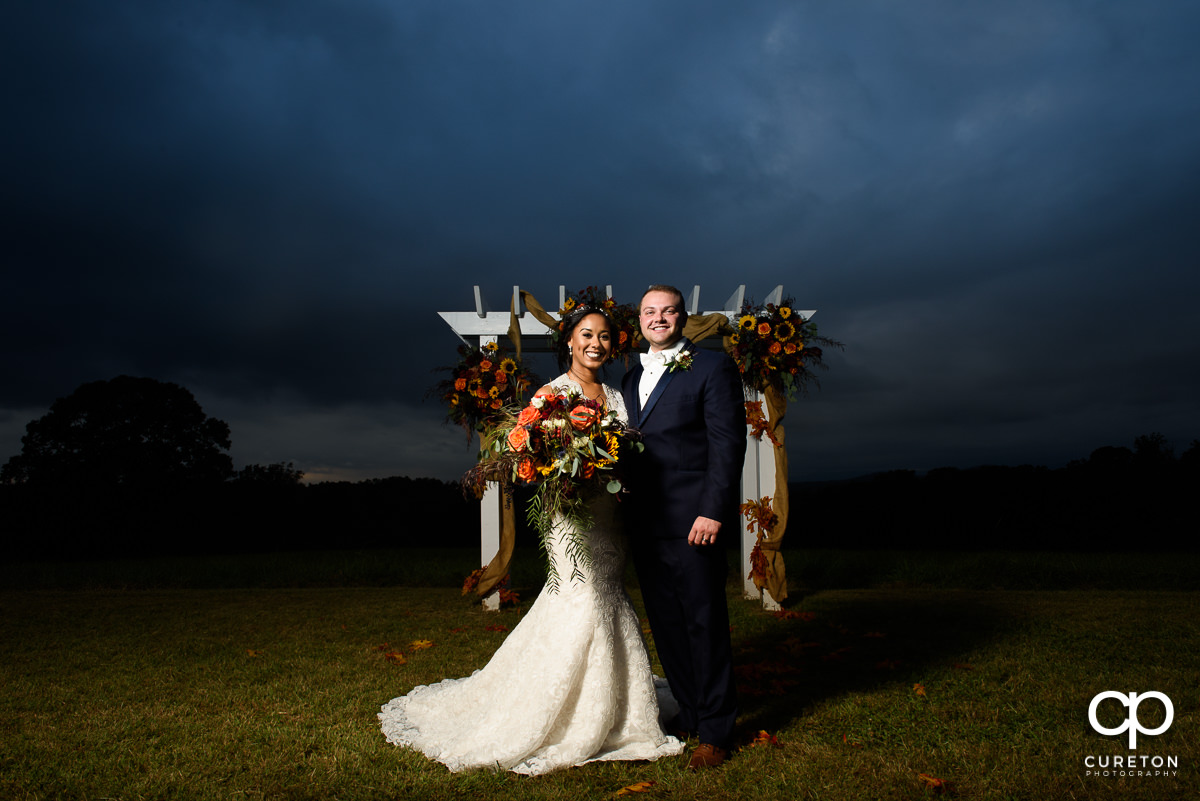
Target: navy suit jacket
{"type": "Point", "coordinates": [694, 430]}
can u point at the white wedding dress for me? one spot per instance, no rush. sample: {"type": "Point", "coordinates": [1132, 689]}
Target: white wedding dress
{"type": "Point", "coordinates": [571, 684]}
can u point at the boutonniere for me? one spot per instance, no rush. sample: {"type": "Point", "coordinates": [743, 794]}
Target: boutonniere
{"type": "Point", "coordinates": [682, 361]}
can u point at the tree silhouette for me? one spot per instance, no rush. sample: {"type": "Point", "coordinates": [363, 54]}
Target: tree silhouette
{"type": "Point", "coordinates": [278, 474]}
{"type": "Point", "coordinates": [136, 433]}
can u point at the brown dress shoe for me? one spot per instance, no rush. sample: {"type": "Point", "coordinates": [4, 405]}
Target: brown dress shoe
{"type": "Point", "coordinates": [707, 756]}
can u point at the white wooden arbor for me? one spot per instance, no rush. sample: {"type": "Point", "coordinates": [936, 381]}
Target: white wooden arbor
{"type": "Point", "coordinates": [484, 325]}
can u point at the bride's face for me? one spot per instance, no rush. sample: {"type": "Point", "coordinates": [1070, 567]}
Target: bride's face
{"type": "Point", "coordinates": [591, 342]}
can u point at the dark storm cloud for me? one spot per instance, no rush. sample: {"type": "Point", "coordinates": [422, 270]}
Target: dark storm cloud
{"type": "Point", "coordinates": [991, 205]}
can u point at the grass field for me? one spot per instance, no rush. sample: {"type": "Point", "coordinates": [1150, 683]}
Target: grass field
{"type": "Point", "coordinates": [927, 683]}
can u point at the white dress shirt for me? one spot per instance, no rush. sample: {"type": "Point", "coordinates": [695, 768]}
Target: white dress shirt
{"type": "Point", "coordinates": [654, 366]}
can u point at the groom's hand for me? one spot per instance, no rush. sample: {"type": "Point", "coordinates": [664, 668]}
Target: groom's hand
{"type": "Point", "coordinates": [704, 531]}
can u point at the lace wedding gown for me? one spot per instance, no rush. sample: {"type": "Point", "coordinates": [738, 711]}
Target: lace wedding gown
{"type": "Point", "coordinates": [571, 684]}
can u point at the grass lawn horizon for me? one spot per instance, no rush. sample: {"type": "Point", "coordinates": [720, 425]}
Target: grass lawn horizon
{"type": "Point", "coordinates": [887, 692]}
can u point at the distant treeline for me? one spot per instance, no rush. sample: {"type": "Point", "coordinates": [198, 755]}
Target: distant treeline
{"type": "Point", "coordinates": [235, 516]}
{"type": "Point", "coordinates": [1117, 500]}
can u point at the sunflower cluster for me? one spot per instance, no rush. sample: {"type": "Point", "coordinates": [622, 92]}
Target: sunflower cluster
{"type": "Point", "coordinates": [565, 446]}
{"type": "Point", "coordinates": [772, 347]}
{"type": "Point", "coordinates": [485, 380]}
{"type": "Point", "coordinates": [623, 315]}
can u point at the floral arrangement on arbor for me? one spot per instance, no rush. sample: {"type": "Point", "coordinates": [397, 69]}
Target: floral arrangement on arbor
{"type": "Point", "coordinates": [567, 447]}
{"type": "Point", "coordinates": [760, 515]}
{"type": "Point", "coordinates": [623, 315]}
{"type": "Point", "coordinates": [774, 347]}
{"type": "Point", "coordinates": [759, 424]}
{"type": "Point", "coordinates": [485, 381]}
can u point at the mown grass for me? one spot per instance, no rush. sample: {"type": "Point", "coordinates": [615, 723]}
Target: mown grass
{"type": "Point", "coordinates": [271, 692]}
{"type": "Point", "coordinates": [808, 570]}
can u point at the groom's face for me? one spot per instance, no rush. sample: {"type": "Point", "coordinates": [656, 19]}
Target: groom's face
{"type": "Point", "coordinates": [661, 319]}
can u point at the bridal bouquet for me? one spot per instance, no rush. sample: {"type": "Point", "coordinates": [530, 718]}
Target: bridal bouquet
{"type": "Point", "coordinates": [567, 447]}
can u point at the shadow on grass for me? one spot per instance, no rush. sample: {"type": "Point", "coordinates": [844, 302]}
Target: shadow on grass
{"type": "Point", "coordinates": [841, 644]}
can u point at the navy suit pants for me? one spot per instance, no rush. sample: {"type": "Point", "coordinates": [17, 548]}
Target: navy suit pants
{"type": "Point", "coordinates": [684, 590]}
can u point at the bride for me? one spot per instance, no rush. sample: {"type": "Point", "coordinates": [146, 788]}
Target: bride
{"type": "Point", "coordinates": [572, 682]}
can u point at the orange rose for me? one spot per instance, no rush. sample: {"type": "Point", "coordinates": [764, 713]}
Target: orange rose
{"type": "Point", "coordinates": [764, 329]}
{"type": "Point", "coordinates": [501, 378]}
{"type": "Point", "coordinates": [460, 384]}
{"type": "Point", "coordinates": [582, 417]}
{"type": "Point", "coordinates": [497, 403]}
{"type": "Point", "coordinates": [481, 393]}
{"type": "Point", "coordinates": [775, 347]}
{"type": "Point", "coordinates": [527, 416]}
{"type": "Point", "coordinates": [526, 471]}
{"type": "Point", "coordinates": [518, 438]}
{"type": "Point", "coordinates": [789, 348]}
{"type": "Point", "coordinates": [485, 365]}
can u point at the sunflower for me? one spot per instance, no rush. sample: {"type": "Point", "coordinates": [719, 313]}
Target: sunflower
{"type": "Point", "coordinates": [785, 312]}
{"type": "Point", "coordinates": [509, 365]}
{"type": "Point", "coordinates": [785, 331]}
{"type": "Point", "coordinates": [747, 322]}
{"type": "Point", "coordinates": [494, 392]}
{"type": "Point", "coordinates": [612, 445]}
{"type": "Point", "coordinates": [568, 304]}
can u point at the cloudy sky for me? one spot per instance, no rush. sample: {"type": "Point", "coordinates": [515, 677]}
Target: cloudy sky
{"type": "Point", "coordinates": [993, 205]}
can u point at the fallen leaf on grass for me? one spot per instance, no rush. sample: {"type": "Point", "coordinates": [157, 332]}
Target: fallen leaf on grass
{"type": "Point", "coordinates": [250, 652]}
{"type": "Point", "coordinates": [789, 614]}
{"type": "Point", "coordinates": [640, 787]}
{"type": "Point", "coordinates": [762, 738]}
{"type": "Point", "coordinates": [833, 656]}
{"type": "Point", "coordinates": [418, 645]}
{"type": "Point", "coordinates": [935, 784]}
{"type": "Point", "coordinates": [396, 658]}
{"type": "Point", "coordinates": [850, 742]}
{"type": "Point", "coordinates": [919, 689]}
{"type": "Point", "coordinates": [383, 647]}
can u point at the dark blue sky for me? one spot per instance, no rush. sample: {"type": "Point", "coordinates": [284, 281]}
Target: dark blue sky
{"type": "Point", "coordinates": [993, 205]}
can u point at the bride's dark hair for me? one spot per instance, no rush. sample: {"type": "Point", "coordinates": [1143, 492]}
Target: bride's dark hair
{"type": "Point", "coordinates": [570, 322]}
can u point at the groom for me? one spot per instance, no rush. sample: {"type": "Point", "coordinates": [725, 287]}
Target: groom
{"type": "Point", "coordinates": [688, 405]}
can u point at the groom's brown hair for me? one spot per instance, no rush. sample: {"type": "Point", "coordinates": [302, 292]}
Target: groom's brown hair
{"type": "Point", "coordinates": [683, 313]}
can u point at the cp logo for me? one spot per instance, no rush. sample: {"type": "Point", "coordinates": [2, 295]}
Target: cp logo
{"type": "Point", "coordinates": [1131, 723]}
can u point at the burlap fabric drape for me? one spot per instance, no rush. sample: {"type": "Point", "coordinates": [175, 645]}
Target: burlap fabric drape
{"type": "Point", "coordinates": [497, 569]}
{"type": "Point", "coordinates": [776, 579]}
{"type": "Point", "coordinates": [697, 328]}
